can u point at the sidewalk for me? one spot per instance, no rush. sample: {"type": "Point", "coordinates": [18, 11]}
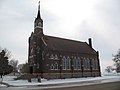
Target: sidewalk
{"type": "Point", "coordinates": [10, 82]}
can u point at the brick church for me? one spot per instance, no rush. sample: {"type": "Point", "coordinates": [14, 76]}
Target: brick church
{"type": "Point", "coordinates": [53, 57]}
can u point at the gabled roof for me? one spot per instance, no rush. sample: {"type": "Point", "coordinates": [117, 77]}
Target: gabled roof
{"type": "Point", "coordinates": [60, 44]}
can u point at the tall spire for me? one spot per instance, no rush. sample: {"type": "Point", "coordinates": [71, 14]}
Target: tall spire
{"type": "Point", "coordinates": [39, 5]}
{"type": "Point", "coordinates": [38, 15]}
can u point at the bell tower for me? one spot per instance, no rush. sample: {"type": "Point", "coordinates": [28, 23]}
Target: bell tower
{"type": "Point", "coordinates": [38, 23]}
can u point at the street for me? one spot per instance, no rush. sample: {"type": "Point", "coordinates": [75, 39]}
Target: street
{"type": "Point", "coordinates": [106, 86]}
{"type": "Point", "coordinates": [103, 86]}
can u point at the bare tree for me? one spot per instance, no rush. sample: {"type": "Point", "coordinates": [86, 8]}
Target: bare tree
{"type": "Point", "coordinates": [109, 69]}
{"type": "Point", "coordinates": [20, 66]}
{"type": "Point", "coordinates": [7, 53]}
{"type": "Point", "coordinates": [116, 59]}
{"type": "Point", "coordinates": [14, 64]}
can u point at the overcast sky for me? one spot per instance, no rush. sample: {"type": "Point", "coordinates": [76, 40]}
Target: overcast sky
{"type": "Point", "coordinates": [71, 19]}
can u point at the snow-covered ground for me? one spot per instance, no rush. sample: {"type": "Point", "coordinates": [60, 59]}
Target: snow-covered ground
{"type": "Point", "coordinates": [105, 78]}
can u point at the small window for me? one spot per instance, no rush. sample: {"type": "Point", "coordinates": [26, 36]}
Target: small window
{"type": "Point", "coordinates": [56, 57]}
{"type": "Point", "coordinates": [51, 57]}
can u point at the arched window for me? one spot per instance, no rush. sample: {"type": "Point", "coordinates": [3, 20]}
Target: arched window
{"type": "Point", "coordinates": [64, 63]}
{"type": "Point", "coordinates": [93, 63]}
{"type": "Point", "coordinates": [88, 64]}
{"type": "Point", "coordinates": [78, 63]}
{"type": "Point", "coordinates": [52, 67]}
{"type": "Point", "coordinates": [56, 66]}
{"type": "Point", "coordinates": [85, 63]}
{"type": "Point", "coordinates": [75, 63]}
{"type": "Point", "coordinates": [68, 64]}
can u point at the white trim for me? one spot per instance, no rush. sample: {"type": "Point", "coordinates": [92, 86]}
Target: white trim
{"type": "Point", "coordinates": [38, 27]}
{"type": "Point", "coordinates": [44, 42]}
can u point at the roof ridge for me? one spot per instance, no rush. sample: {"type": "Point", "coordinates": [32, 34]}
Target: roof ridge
{"type": "Point", "coordinates": [65, 39]}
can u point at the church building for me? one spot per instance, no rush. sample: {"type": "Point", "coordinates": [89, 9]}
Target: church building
{"type": "Point", "coordinates": [53, 57]}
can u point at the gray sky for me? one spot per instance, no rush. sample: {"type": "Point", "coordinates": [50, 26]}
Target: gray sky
{"type": "Point", "coordinates": [71, 19]}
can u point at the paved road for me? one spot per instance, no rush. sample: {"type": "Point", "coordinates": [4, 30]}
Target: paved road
{"type": "Point", "coordinates": [104, 86]}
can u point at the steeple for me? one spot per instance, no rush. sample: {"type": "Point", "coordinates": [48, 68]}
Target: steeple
{"type": "Point", "coordinates": [38, 23]}
{"type": "Point", "coordinates": [38, 15]}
